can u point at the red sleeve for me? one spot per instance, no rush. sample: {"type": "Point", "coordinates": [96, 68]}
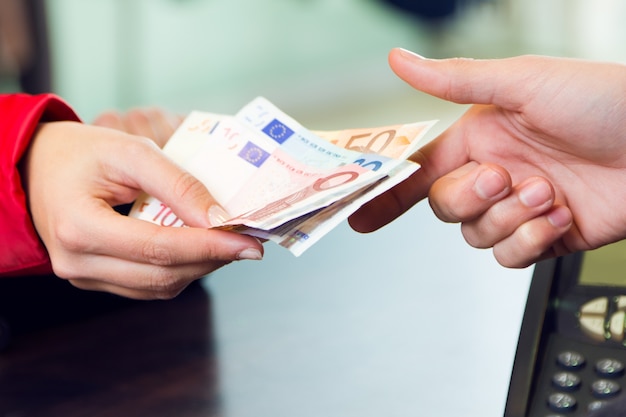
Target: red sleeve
{"type": "Point", "coordinates": [21, 251]}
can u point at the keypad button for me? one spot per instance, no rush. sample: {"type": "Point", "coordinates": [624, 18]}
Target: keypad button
{"type": "Point", "coordinates": [593, 326]}
{"type": "Point", "coordinates": [571, 360]}
{"type": "Point", "coordinates": [596, 405]}
{"type": "Point", "coordinates": [561, 401]}
{"type": "Point", "coordinates": [598, 305]}
{"type": "Point", "coordinates": [566, 381]}
{"type": "Point", "coordinates": [609, 368]}
{"type": "Point", "coordinates": [616, 326]}
{"type": "Point", "coordinates": [603, 388]}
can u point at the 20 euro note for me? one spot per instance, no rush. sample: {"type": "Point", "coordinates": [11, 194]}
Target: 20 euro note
{"type": "Point", "coordinates": [268, 171]}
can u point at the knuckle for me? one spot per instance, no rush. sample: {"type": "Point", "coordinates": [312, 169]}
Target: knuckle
{"type": "Point", "coordinates": [139, 146]}
{"type": "Point", "coordinates": [81, 284]}
{"type": "Point", "coordinates": [68, 244]}
{"type": "Point", "coordinates": [457, 87]}
{"type": "Point", "coordinates": [450, 207]}
{"type": "Point", "coordinates": [187, 186]}
{"type": "Point", "coordinates": [62, 267]}
{"type": "Point", "coordinates": [136, 114]}
{"type": "Point", "coordinates": [458, 212]}
{"type": "Point", "coordinates": [453, 213]}
{"type": "Point", "coordinates": [139, 122]}
{"type": "Point", "coordinates": [109, 119]}
{"type": "Point", "coordinates": [165, 285]}
{"type": "Point", "coordinates": [69, 237]}
{"type": "Point", "coordinates": [485, 231]}
{"type": "Point", "coordinates": [154, 253]}
{"type": "Point", "coordinates": [504, 258]}
{"type": "Point", "coordinates": [521, 250]}
{"type": "Point", "coordinates": [473, 237]}
{"type": "Point", "coordinates": [527, 239]}
{"type": "Point", "coordinates": [509, 259]}
{"type": "Point", "coordinates": [497, 220]}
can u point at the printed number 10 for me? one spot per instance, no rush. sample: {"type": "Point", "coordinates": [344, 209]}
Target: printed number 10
{"type": "Point", "coordinates": [166, 217]}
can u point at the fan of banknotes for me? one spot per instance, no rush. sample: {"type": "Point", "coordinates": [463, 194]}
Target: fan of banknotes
{"type": "Point", "coordinates": [276, 180]}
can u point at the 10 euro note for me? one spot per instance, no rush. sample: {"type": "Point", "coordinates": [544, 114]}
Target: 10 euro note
{"type": "Point", "coordinates": [280, 181]}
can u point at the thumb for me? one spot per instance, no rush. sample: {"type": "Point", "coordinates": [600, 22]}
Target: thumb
{"type": "Point", "coordinates": [464, 80]}
{"type": "Point", "coordinates": [158, 176]}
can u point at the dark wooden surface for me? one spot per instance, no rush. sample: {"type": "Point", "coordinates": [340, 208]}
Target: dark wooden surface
{"type": "Point", "coordinates": [407, 332]}
{"type": "Point", "coordinates": [94, 355]}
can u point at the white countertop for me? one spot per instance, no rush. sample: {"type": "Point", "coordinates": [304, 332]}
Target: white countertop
{"type": "Point", "coordinates": [406, 321]}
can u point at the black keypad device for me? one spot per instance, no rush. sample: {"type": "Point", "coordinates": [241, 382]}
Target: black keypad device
{"type": "Point", "coordinates": [571, 353]}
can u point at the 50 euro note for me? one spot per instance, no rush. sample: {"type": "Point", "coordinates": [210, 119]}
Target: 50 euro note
{"type": "Point", "coordinates": [276, 179]}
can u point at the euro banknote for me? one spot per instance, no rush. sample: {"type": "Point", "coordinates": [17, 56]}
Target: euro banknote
{"type": "Point", "coordinates": [277, 180]}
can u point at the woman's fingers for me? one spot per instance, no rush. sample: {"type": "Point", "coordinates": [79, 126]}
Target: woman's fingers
{"type": "Point", "coordinates": [111, 234]}
{"type": "Point", "coordinates": [137, 280]}
{"type": "Point", "coordinates": [153, 123]}
{"type": "Point", "coordinates": [142, 166]}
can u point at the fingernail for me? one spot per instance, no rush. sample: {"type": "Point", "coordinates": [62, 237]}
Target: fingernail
{"type": "Point", "coordinates": [535, 194]}
{"type": "Point", "coordinates": [409, 54]}
{"type": "Point", "coordinates": [217, 215]}
{"type": "Point", "coordinates": [489, 184]}
{"type": "Point", "coordinates": [250, 254]}
{"type": "Point", "coordinates": [560, 217]}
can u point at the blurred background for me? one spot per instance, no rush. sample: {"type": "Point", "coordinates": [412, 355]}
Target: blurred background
{"type": "Point", "coordinates": [322, 61]}
{"type": "Point", "coordinates": [398, 319]}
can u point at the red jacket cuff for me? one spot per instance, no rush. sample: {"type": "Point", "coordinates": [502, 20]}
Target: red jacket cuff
{"type": "Point", "coordinates": [22, 252]}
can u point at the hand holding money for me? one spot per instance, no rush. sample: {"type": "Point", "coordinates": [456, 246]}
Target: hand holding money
{"type": "Point", "coordinates": [277, 180]}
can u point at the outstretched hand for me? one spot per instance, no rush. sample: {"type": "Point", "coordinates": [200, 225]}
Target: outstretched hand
{"type": "Point", "coordinates": [536, 168]}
